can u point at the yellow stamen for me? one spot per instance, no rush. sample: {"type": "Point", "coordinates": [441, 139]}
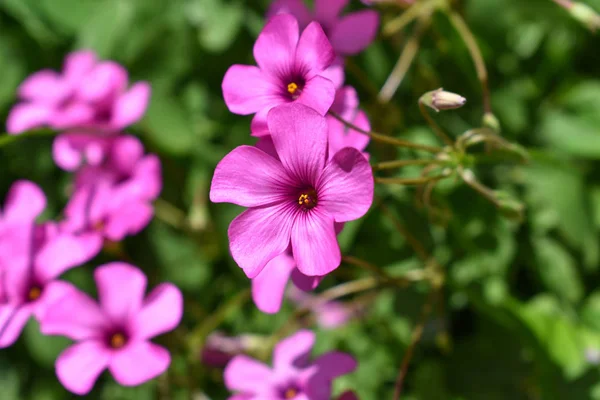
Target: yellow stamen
{"type": "Point", "coordinates": [34, 293]}
{"type": "Point", "coordinates": [292, 87]}
{"type": "Point", "coordinates": [117, 341]}
{"type": "Point", "coordinates": [308, 199]}
{"type": "Point", "coordinates": [290, 393]}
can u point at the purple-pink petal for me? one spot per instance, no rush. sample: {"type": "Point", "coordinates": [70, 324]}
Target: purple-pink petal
{"type": "Point", "coordinates": [354, 32]}
{"type": "Point", "coordinates": [12, 321]}
{"type": "Point", "coordinates": [102, 82]}
{"type": "Point", "coordinates": [246, 375]}
{"type": "Point", "coordinates": [249, 177]}
{"type": "Point", "coordinates": [294, 350]}
{"type": "Point", "coordinates": [247, 90]}
{"type": "Point", "coordinates": [130, 106]}
{"type": "Point", "coordinates": [328, 10]}
{"type": "Point", "coordinates": [64, 252]}
{"type": "Point", "coordinates": [334, 364]}
{"type": "Point", "coordinates": [161, 312]}
{"type": "Point", "coordinates": [314, 52]}
{"type": "Point", "coordinates": [269, 286]}
{"type": "Point", "coordinates": [139, 362]}
{"type": "Point", "coordinates": [45, 86]}
{"type": "Point", "coordinates": [346, 186]}
{"type": "Point", "coordinates": [77, 64]}
{"type": "Point", "coordinates": [128, 219]}
{"type": "Point", "coordinates": [24, 203]}
{"type": "Point", "coordinates": [26, 116]}
{"type": "Point", "coordinates": [259, 234]}
{"type": "Point", "coordinates": [318, 94]}
{"type": "Point", "coordinates": [300, 136]}
{"type": "Point", "coordinates": [121, 289]}
{"type": "Point", "coordinates": [314, 243]}
{"type": "Point", "coordinates": [304, 282]}
{"type": "Point", "coordinates": [295, 7]}
{"type": "Point", "coordinates": [79, 366]}
{"type": "Point", "coordinates": [275, 46]}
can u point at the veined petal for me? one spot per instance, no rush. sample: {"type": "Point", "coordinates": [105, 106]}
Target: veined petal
{"type": "Point", "coordinates": [294, 7]}
{"type": "Point", "coordinates": [269, 286]}
{"type": "Point", "coordinates": [346, 186]}
{"type": "Point", "coordinates": [121, 289]}
{"type": "Point", "coordinates": [314, 243]}
{"type": "Point", "coordinates": [294, 350]}
{"type": "Point", "coordinates": [249, 177]}
{"type": "Point", "coordinates": [76, 316]}
{"type": "Point", "coordinates": [314, 53]}
{"type": "Point", "coordinates": [259, 234]}
{"type": "Point", "coordinates": [300, 136]}
{"type": "Point", "coordinates": [318, 94]}
{"type": "Point", "coordinates": [130, 107]}
{"type": "Point", "coordinates": [247, 89]}
{"type": "Point", "coordinates": [275, 47]}
{"type": "Point", "coordinates": [26, 116]}
{"type": "Point", "coordinates": [78, 367]}
{"type": "Point", "coordinates": [354, 32]}
{"type": "Point", "coordinates": [246, 375]}
{"type": "Point", "coordinates": [139, 362]}
{"type": "Point", "coordinates": [160, 313]}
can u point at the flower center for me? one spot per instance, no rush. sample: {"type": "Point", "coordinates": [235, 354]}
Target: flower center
{"type": "Point", "coordinates": [308, 199]}
{"type": "Point", "coordinates": [117, 340]}
{"type": "Point", "coordinates": [292, 88]}
{"type": "Point", "coordinates": [34, 293]}
{"type": "Point", "coordinates": [290, 393]}
{"type": "Point", "coordinates": [98, 226]}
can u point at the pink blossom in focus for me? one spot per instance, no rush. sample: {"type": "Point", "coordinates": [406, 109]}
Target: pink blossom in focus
{"type": "Point", "coordinates": [293, 375]}
{"type": "Point", "coordinates": [115, 333]}
{"type": "Point", "coordinates": [88, 94]}
{"type": "Point", "coordinates": [289, 71]}
{"type": "Point", "coordinates": [294, 199]}
{"type": "Point", "coordinates": [33, 257]}
{"type": "Point", "coordinates": [349, 34]}
{"type": "Point", "coordinates": [340, 136]}
{"type": "Point", "coordinates": [114, 199]}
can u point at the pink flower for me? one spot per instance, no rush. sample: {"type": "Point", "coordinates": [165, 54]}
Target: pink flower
{"type": "Point", "coordinates": [340, 136]}
{"type": "Point", "coordinates": [114, 199]}
{"type": "Point", "coordinates": [115, 333]}
{"type": "Point", "coordinates": [289, 71]}
{"type": "Point", "coordinates": [87, 94]}
{"type": "Point", "coordinates": [220, 349]}
{"type": "Point", "coordinates": [33, 257]}
{"type": "Point", "coordinates": [329, 315]}
{"type": "Point", "coordinates": [296, 199]}
{"type": "Point", "coordinates": [293, 376]}
{"type": "Point", "coordinates": [348, 34]}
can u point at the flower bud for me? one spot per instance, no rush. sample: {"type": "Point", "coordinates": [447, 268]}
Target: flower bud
{"type": "Point", "coordinates": [586, 15]}
{"type": "Point", "coordinates": [441, 100]}
{"type": "Point", "coordinates": [490, 121]}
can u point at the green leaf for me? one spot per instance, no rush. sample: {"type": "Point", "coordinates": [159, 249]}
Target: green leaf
{"type": "Point", "coordinates": [572, 134]}
{"type": "Point", "coordinates": [44, 349]}
{"type": "Point", "coordinates": [218, 22]}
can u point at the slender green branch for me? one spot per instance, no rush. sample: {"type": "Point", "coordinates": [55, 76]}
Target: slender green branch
{"type": "Point", "coordinates": [404, 163]}
{"type": "Point", "coordinates": [410, 181]}
{"type": "Point", "coordinates": [378, 137]}
{"type": "Point", "coordinates": [434, 126]}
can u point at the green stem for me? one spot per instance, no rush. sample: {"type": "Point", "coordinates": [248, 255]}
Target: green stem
{"type": "Point", "coordinates": [6, 139]}
{"type": "Point", "coordinates": [433, 125]}
{"type": "Point", "coordinates": [410, 181]}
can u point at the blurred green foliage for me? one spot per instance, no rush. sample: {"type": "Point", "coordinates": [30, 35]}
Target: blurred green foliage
{"type": "Point", "coordinates": [520, 308]}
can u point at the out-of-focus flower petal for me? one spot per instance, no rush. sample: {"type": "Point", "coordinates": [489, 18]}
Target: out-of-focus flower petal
{"type": "Point", "coordinates": [130, 107]}
{"type": "Point", "coordinates": [12, 322]}
{"type": "Point", "coordinates": [269, 286]}
{"type": "Point", "coordinates": [121, 289]}
{"type": "Point", "coordinates": [102, 82]}
{"type": "Point", "coordinates": [354, 32]}
{"type": "Point", "coordinates": [26, 116]}
{"type": "Point", "coordinates": [294, 350]}
{"type": "Point", "coordinates": [64, 252]}
{"type": "Point", "coordinates": [78, 367]}
{"type": "Point", "coordinates": [246, 375]}
{"type": "Point", "coordinates": [304, 282]}
{"type": "Point", "coordinates": [139, 362]}
{"type": "Point", "coordinates": [24, 203]}
{"type": "Point", "coordinates": [161, 312]}
{"type": "Point", "coordinates": [45, 86]}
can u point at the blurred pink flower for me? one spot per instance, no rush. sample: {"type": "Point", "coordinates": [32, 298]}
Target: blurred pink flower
{"type": "Point", "coordinates": [296, 198]}
{"type": "Point", "coordinates": [329, 315]}
{"type": "Point", "coordinates": [87, 94]}
{"type": "Point", "coordinates": [219, 349]}
{"type": "Point", "coordinates": [115, 333]}
{"type": "Point", "coordinates": [114, 199]}
{"type": "Point", "coordinates": [293, 376]}
{"type": "Point", "coordinates": [289, 70]}
{"type": "Point", "coordinates": [348, 34]}
{"type": "Point", "coordinates": [349, 395]}
{"type": "Point", "coordinates": [340, 136]}
{"type": "Point", "coordinates": [33, 257]}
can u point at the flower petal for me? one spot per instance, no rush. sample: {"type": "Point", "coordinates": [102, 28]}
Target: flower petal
{"type": "Point", "coordinates": [79, 366]}
{"type": "Point", "coordinates": [247, 90]}
{"type": "Point", "coordinates": [318, 94]}
{"type": "Point", "coordinates": [246, 374]}
{"type": "Point", "coordinates": [45, 86]}
{"type": "Point", "coordinates": [334, 364]}
{"type": "Point", "coordinates": [12, 322]}
{"type": "Point", "coordinates": [71, 116]}
{"type": "Point", "coordinates": [304, 282]}
{"type": "Point", "coordinates": [24, 203]}
{"type": "Point", "coordinates": [64, 252]}
{"type": "Point", "coordinates": [341, 136]}
{"type": "Point", "coordinates": [346, 186]}
{"type": "Point", "coordinates": [102, 82]}
{"type": "Point", "coordinates": [139, 362]}
{"type": "Point", "coordinates": [249, 177]}
{"type": "Point", "coordinates": [314, 243]}
{"type": "Point", "coordinates": [300, 136]}
{"type": "Point", "coordinates": [269, 286]}
{"type": "Point", "coordinates": [328, 10]}
{"type": "Point", "coordinates": [258, 125]}
{"type": "Point", "coordinates": [335, 73]}
{"type": "Point", "coordinates": [76, 316]}
{"type": "Point", "coordinates": [314, 53]}
{"type": "Point", "coordinates": [128, 219]}
{"type": "Point", "coordinates": [77, 64]}
{"type": "Point", "coordinates": [275, 47]}
{"type": "Point", "coordinates": [294, 350]}
{"type": "Point", "coordinates": [26, 116]}
{"type": "Point", "coordinates": [161, 312]}
{"type": "Point", "coordinates": [131, 106]}
{"type": "Point", "coordinates": [258, 235]}
{"type": "Point", "coordinates": [53, 292]}
{"type": "Point", "coordinates": [265, 143]}
{"type": "Point", "coordinates": [121, 289]}
{"type": "Point", "coordinates": [354, 32]}
{"type": "Point", "coordinates": [294, 7]}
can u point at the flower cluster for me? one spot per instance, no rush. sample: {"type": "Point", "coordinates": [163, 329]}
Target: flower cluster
{"type": "Point", "coordinates": [114, 185]}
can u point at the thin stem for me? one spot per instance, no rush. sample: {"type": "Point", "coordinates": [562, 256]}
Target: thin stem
{"type": "Point", "coordinates": [385, 138]}
{"type": "Point", "coordinates": [416, 245]}
{"type": "Point", "coordinates": [434, 126]}
{"type": "Point", "coordinates": [401, 281]}
{"type": "Point", "coordinates": [409, 181]}
{"type": "Point", "coordinates": [404, 163]}
{"type": "Point", "coordinates": [467, 36]}
{"type": "Point", "coordinates": [403, 19]}
{"type": "Point", "coordinates": [170, 214]}
{"type": "Point", "coordinates": [414, 340]}
{"type": "Point", "coordinates": [405, 60]}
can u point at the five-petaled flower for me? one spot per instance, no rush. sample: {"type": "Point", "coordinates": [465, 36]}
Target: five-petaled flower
{"type": "Point", "coordinates": [293, 376]}
{"type": "Point", "coordinates": [290, 69]}
{"type": "Point", "coordinates": [296, 198]}
{"type": "Point", "coordinates": [115, 333]}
